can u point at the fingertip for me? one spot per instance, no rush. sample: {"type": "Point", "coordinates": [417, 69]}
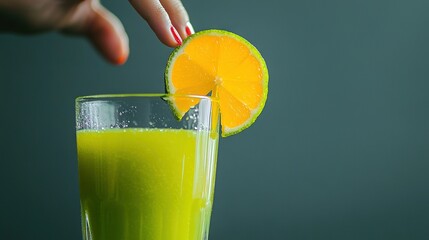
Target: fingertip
{"type": "Point", "coordinates": [176, 36]}
{"type": "Point", "coordinates": [160, 21]}
{"type": "Point", "coordinates": [109, 37]}
{"type": "Point", "coordinates": [179, 17]}
{"type": "Point", "coordinates": [185, 30]}
{"type": "Point", "coordinates": [189, 29]}
{"type": "Point", "coordinates": [121, 59]}
{"type": "Point", "coordinates": [166, 33]}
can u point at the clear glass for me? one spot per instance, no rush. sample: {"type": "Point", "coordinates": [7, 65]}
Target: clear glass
{"type": "Point", "coordinates": [143, 172]}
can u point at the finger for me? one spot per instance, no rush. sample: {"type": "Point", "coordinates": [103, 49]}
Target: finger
{"type": "Point", "coordinates": [157, 17]}
{"type": "Point", "coordinates": [107, 34]}
{"type": "Point", "coordinates": [103, 29]}
{"type": "Point", "coordinates": [179, 17]}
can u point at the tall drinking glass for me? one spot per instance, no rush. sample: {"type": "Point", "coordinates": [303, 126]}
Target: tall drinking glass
{"type": "Point", "coordinates": [143, 172]}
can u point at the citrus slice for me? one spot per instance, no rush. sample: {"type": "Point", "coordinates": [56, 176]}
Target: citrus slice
{"type": "Point", "coordinates": [228, 67]}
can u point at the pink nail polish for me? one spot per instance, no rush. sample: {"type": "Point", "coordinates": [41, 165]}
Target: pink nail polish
{"type": "Point", "coordinates": [176, 35]}
{"type": "Point", "coordinates": [189, 29]}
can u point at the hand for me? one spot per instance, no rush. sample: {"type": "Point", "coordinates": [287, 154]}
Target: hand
{"type": "Point", "coordinates": [167, 18]}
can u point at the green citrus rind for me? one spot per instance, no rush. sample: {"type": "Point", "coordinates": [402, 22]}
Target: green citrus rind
{"type": "Point", "coordinates": [169, 88]}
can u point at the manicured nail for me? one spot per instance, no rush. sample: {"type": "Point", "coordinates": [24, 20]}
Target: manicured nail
{"type": "Point", "coordinates": [176, 35]}
{"type": "Point", "coordinates": [189, 29]}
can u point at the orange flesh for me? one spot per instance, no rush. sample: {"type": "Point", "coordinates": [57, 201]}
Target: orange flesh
{"type": "Point", "coordinates": [224, 66]}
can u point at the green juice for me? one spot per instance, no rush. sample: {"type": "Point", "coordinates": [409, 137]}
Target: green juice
{"type": "Point", "coordinates": [149, 184]}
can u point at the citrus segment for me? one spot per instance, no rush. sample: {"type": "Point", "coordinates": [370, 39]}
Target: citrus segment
{"type": "Point", "coordinates": [224, 65]}
{"type": "Point", "coordinates": [204, 53]}
{"type": "Point", "coordinates": [230, 60]}
{"type": "Point", "coordinates": [233, 111]}
{"type": "Point", "coordinates": [249, 93]}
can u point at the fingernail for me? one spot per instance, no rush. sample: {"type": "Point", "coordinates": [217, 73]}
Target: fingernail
{"type": "Point", "coordinates": [121, 60]}
{"type": "Point", "coordinates": [189, 29]}
{"type": "Point", "coordinates": [176, 35]}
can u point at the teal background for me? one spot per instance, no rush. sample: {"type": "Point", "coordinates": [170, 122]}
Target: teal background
{"type": "Point", "coordinates": [341, 150]}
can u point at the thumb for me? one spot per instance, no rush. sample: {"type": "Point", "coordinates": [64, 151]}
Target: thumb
{"type": "Point", "coordinates": [102, 28]}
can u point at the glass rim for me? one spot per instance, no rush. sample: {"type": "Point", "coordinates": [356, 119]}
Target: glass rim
{"type": "Point", "coordinates": [141, 95]}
